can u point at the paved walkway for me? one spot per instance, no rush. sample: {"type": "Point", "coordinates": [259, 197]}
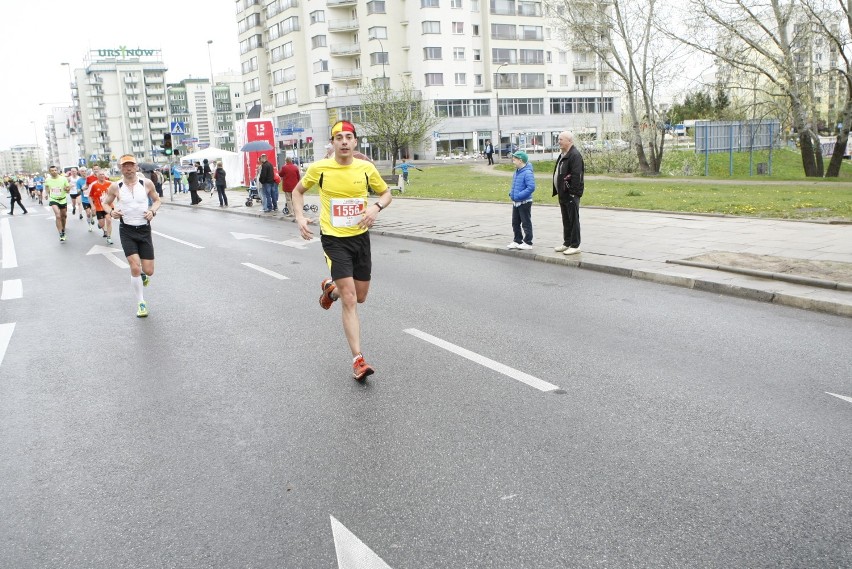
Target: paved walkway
{"type": "Point", "coordinates": [645, 245]}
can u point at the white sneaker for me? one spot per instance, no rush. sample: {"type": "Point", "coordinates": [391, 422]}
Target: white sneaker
{"type": "Point", "coordinates": [571, 251]}
{"type": "Point", "coordinates": [513, 245]}
{"type": "Point", "coordinates": [560, 249]}
{"type": "Point", "coordinates": [524, 246]}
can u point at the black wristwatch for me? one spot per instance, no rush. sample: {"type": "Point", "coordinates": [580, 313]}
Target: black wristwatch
{"type": "Point", "coordinates": [379, 206]}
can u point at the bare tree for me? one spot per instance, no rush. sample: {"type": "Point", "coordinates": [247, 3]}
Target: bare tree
{"type": "Point", "coordinates": [396, 119]}
{"type": "Point", "coordinates": [759, 37]}
{"type": "Point", "coordinates": [623, 36]}
{"type": "Point", "coordinates": [833, 20]}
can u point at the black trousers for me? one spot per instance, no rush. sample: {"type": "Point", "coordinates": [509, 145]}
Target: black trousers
{"type": "Point", "coordinates": [16, 198]}
{"type": "Point", "coordinates": [193, 193]}
{"type": "Point", "coordinates": [569, 206]}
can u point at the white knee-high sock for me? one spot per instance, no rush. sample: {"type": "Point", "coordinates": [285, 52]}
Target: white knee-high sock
{"type": "Point", "coordinates": [136, 283]}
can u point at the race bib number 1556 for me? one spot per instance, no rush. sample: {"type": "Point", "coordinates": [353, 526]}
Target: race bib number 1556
{"type": "Point", "coordinates": [346, 212]}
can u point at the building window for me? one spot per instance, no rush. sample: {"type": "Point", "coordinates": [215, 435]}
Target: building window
{"type": "Point", "coordinates": [429, 4]}
{"type": "Point", "coordinates": [531, 57]}
{"type": "Point", "coordinates": [458, 54]}
{"type": "Point", "coordinates": [291, 96]}
{"type": "Point", "coordinates": [431, 27]}
{"type": "Point", "coordinates": [504, 55]}
{"type": "Point", "coordinates": [431, 53]}
{"type": "Point", "coordinates": [475, 30]}
{"type": "Point", "coordinates": [461, 78]}
{"type": "Point", "coordinates": [503, 7]}
{"type": "Point", "coordinates": [317, 16]}
{"type": "Point", "coordinates": [250, 65]}
{"type": "Point", "coordinates": [474, 5]}
{"type": "Point", "coordinates": [529, 8]}
{"type": "Point", "coordinates": [532, 80]}
{"type": "Point", "coordinates": [521, 106]}
{"type": "Point", "coordinates": [506, 80]}
{"type": "Point", "coordinates": [434, 79]}
{"type": "Point", "coordinates": [528, 33]}
{"type": "Point", "coordinates": [503, 32]}
{"type": "Point", "coordinates": [321, 90]}
{"type": "Point", "coordinates": [462, 107]}
{"type": "Point", "coordinates": [274, 32]}
{"type": "Point", "coordinates": [291, 24]}
{"type": "Point", "coordinates": [381, 82]}
{"type": "Point", "coordinates": [477, 80]}
{"type": "Point", "coordinates": [376, 7]}
{"type": "Point", "coordinates": [378, 32]}
{"type": "Point", "coordinates": [455, 3]}
{"type": "Point", "coordinates": [458, 28]}
{"type": "Point", "coordinates": [379, 58]}
{"type": "Point", "coordinates": [318, 41]}
{"type": "Point", "coordinates": [320, 66]}
{"type": "Point", "coordinates": [477, 55]}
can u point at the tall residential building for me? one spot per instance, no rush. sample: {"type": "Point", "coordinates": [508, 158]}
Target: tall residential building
{"type": "Point", "coordinates": [208, 117]}
{"type": "Point", "coordinates": [121, 96]}
{"type": "Point", "coordinates": [22, 159]}
{"type": "Point", "coordinates": [62, 147]}
{"type": "Point", "coordinates": [304, 62]}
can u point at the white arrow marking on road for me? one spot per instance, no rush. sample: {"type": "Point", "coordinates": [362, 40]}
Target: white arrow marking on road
{"type": "Point", "coordinates": [5, 335]}
{"type": "Point", "coordinates": [296, 243]}
{"type": "Point", "coordinates": [10, 259]}
{"type": "Point", "coordinates": [178, 240]}
{"type": "Point", "coordinates": [108, 253]}
{"type": "Point", "coordinates": [352, 553]}
{"type": "Point", "coordinates": [12, 289]}
{"type": "Point", "coordinates": [266, 271]}
{"type": "Point", "coordinates": [530, 380]}
{"type": "Point", "coordinates": [845, 398]}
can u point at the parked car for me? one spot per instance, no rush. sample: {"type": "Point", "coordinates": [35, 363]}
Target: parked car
{"type": "Point", "coordinates": [507, 149]}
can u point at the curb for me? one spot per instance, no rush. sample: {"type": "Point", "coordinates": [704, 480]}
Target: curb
{"type": "Point", "coordinates": [784, 299]}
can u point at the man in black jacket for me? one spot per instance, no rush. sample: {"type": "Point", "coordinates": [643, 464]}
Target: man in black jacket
{"type": "Point", "coordinates": [266, 178]}
{"type": "Point", "coordinates": [568, 185]}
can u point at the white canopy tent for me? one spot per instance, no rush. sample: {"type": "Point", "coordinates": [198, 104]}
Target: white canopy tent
{"type": "Point", "coordinates": [231, 161]}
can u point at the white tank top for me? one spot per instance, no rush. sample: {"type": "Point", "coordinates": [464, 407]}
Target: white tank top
{"type": "Point", "coordinates": [134, 202]}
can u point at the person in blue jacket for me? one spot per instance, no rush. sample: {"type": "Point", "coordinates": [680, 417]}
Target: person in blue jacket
{"type": "Point", "coordinates": [523, 186]}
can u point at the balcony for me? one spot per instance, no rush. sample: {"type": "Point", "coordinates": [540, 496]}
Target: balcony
{"type": "Point", "coordinates": [342, 25]}
{"type": "Point", "coordinates": [346, 50]}
{"type": "Point", "coordinates": [157, 114]}
{"type": "Point", "coordinates": [585, 66]}
{"type": "Point", "coordinates": [132, 92]}
{"type": "Point", "coordinates": [152, 79]}
{"type": "Point", "coordinates": [155, 91]}
{"type": "Point", "coordinates": [95, 80]}
{"type": "Point", "coordinates": [345, 74]}
{"type": "Point", "coordinates": [340, 3]}
{"type": "Point", "coordinates": [131, 80]}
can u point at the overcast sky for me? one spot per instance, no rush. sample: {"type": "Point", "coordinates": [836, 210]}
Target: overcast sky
{"type": "Point", "coordinates": [39, 35]}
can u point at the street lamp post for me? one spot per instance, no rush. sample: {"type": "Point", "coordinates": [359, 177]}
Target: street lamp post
{"type": "Point", "coordinates": [212, 94]}
{"type": "Point", "coordinates": [497, 94]}
{"type": "Point", "coordinates": [382, 47]}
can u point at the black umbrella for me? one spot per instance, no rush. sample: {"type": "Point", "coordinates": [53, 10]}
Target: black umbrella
{"type": "Point", "coordinates": [148, 166]}
{"type": "Point", "coordinates": [256, 146]}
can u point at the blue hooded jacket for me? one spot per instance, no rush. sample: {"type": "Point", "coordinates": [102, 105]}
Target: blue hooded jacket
{"type": "Point", "coordinates": [523, 184]}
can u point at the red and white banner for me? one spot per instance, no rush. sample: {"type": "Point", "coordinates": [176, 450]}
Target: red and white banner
{"type": "Point", "coordinates": [258, 129]}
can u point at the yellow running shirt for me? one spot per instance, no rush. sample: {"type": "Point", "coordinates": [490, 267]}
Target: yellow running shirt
{"type": "Point", "coordinates": [57, 189]}
{"type": "Point", "coordinates": [343, 193]}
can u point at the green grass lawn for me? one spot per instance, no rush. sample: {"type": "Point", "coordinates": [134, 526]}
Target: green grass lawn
{"type": "Point", "coordinates": [787, 195]}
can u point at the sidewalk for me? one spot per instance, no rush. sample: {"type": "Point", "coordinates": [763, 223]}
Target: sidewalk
{"type": "Point", "coordinates": [658, 247]}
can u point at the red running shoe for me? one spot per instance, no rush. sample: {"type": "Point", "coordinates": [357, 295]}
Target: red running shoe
{"type": "Point", "coordinates": [328, 287]}
{"type": "Point", "coordinates": [360, 369]}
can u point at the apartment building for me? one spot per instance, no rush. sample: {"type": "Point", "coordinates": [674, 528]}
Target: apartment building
{"type": "Point", "coordinates": [22, 159]}
{"type": "Point", "coordinates": [305, 61]}
{"type": "Point", "coordinates": [209, 115]}
{"type": "Point", "coordinates": [121, 98]}
{"type": "Point", "coordinates": [61, 137]}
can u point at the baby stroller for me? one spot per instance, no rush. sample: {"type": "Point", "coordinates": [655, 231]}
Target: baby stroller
{"type": "Point", "coordinates": [253, 194]}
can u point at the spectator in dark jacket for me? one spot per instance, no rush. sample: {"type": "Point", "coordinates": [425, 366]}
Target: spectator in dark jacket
{"type": "Point", "coordinates": [568, 184]}
{"type": "Point", "coordinates": [521, 194]}
{"type": "Point", "coordinates": [15, 195]}
{"type": "Point", "coordinates": [221, 184]}
{"type": "Point", "coordinates": [266, 177]}
{"type": "Point", "coordinates": [194, 185]}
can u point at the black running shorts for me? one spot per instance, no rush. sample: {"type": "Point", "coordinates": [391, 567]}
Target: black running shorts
{"type": "Point", "coordinates": [59, 205]}
{"type": "Point", "coordinates": [348, 256]}
{"type": "Point", "coordinates": [136, 240]}
{"type": "Point", "coordinates": [101, 214]}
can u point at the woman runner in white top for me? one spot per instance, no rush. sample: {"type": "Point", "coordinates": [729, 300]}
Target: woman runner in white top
{"type": "Point", "coordinates": [131, 196]}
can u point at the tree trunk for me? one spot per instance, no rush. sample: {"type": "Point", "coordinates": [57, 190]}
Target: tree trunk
{"type": "Point", "coordinates": [842, 141]}
{"type": "Point", "coordinates": [809, 163]}
{"type": "Point", "coordinates": [640, 149]}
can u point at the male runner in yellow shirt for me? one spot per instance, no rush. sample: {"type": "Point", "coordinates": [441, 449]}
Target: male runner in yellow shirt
{"type": "Point", "coordinates": [345, 219]}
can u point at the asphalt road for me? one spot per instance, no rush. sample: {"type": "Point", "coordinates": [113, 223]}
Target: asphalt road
{"type": "Point", "coordinates": [679, 428]}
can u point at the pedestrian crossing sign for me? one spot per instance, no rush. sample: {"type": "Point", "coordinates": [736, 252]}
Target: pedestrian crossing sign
{"type": "Point", "coordinates": [178, 128]}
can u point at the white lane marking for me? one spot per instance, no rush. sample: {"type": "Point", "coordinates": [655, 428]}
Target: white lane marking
{"type": "Point", "coordinates": [10, 259]}
{"type": "Point", "coordinates": [5, 335]}
{"type": "Point", "coordinates": [108, 252]}
{"type": "Point", "coordinates": [12, 289]}
{"type": "Point", "coordinates": [295, 243]}
{"type": "Point", "coordinates": [530, 380]}
{"type": "Point", "coordinates": [266, 271]}
{"type": "Point", "coordinates": [178, 240]}
{"type": "Point", "coordinates": [352, 553]}
{"type": "Point", "coordinates": [844, 397]}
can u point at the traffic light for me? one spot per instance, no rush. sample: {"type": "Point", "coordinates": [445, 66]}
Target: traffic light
{"type": "Point", "coordinates": [167, 144]}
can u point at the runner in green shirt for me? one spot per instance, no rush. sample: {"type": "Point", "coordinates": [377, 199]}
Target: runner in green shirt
{"type": "Point", "coordinates": [57, 187]}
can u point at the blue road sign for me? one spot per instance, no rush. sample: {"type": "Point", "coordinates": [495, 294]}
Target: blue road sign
{"type": "Point", "coordinates": [286, 131]}
{"type": "Point", "coordinates": [178, 127]}
{"type": "Point", "coordinates": [93, 157]}
{"type": "Point", "coordinates": [81, 162]}
{"type": "Point", "coordinates": [298, 129]}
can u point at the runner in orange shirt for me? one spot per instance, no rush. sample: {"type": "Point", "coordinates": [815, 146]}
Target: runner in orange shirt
{"type": "Point", "coordinates": [96, 190]}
